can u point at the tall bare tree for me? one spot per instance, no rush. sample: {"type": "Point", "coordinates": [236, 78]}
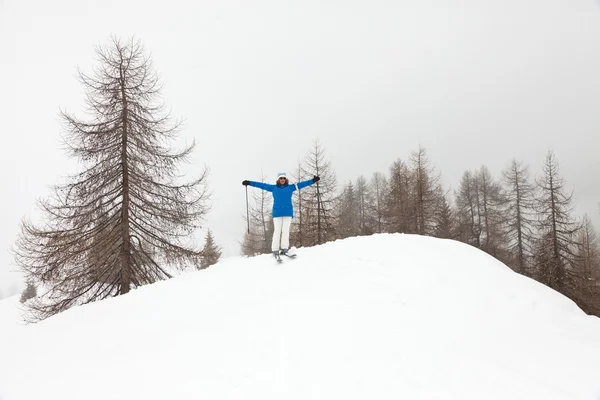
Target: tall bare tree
{"type": "Point", "coordinates": [399, 202]}
{"type": "Point", "coordinates": [467, 210]}
{"type": "Point", "coordinates": [426, 192]}
{"type": "Point", "coordinates": [320, 201]}
{"type": "Point", "coordinates": [299, 229]}
{"type": "Point", "coordinates": [125, 219]}
{"type": "Point", "coordinates": [519, 215]}
{"type": "Point", "coordinates": [491, 204]}
{"type": "Point", "coordinates": [555, 250]}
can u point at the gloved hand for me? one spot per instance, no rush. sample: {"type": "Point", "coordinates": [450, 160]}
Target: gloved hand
{"type": "Point", "coordinates": [316, 179]}
{"type": "Point", "coordinates": [246, 182]}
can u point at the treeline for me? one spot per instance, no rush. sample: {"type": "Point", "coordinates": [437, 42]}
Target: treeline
{"type": "Point", "coordinates": [527, 222]}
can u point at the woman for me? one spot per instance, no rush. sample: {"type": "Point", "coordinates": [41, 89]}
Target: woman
{"type": "Point", "coordinates": [283, 210]}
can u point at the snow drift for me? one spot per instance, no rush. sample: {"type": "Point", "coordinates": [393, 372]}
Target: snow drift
{"type": "Point", "coordinates": [384, 317]}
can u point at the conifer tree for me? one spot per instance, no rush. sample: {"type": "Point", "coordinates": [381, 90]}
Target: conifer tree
{"type": "Point", "coordinates": [519, 215]}
{"type": "Point", "coordinates": [319, 199]}
{"type": "Point", "coordinates": [258, 239]}
{"type": "Point", "coordinates": [124, 220]}
{"type": "Point", "coordinates": [211, 253]}
{"type": "Point", "coordinates": [555, 248]}
{"type": "Point", "coordinates": [399, 201]}
{"type": "Point", "coordinates": [29, 292]}
{"type": "Point", "coordinates": [348, 213]}
{"type": "Point", "coordinates": [377, 194]}
{"type": "Point", "coordinates": [426, 192]}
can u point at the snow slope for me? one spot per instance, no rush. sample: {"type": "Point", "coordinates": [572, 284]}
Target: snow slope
{"type": "Point", "coordinates": [381, 317]}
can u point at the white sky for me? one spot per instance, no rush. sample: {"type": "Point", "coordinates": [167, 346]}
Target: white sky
{"type": "Point", "coordinates": [474, 82]}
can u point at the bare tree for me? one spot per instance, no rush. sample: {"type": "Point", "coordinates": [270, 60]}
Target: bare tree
{"type": "Point", "coordinates": [362, 194]}
{"type": "Point", "coordinates": [555, 257]}
{"type": "Point", "coordinates": [519, 215]}
{"type": "Point", "coordinates": [467, 210]}
{"type": "Point", "coordinates": [320, 202]}
{"type": "Point", "coordinates": [588, 254]}
{"type": "Point", "coordinates": [479, 203]}
{"type": "Point", "coordinates": [584, 282]}
{"type": "Point", "coordinates": [399, 201]}
{"type": "Point", "coordinates": [299, 229]}
{"type": "Point", "coordinates": [258, 239]}
{"type": "Point", "coordinates": [124, 220]}
{"type": "Point", "coordinates": [491, 204]}
{"type": "Point", "coordinates": [426, 192]}
{"type": "Point", "coordinates": [377, 193]}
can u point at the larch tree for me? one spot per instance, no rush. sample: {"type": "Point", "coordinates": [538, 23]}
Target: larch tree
{"type": "Point", "coordinates": [426, 192]}
{"type": "Point", "coordinates": [587, 287]}
{"type": "Point", "coordinates": [125, 219]}
{"type": "Point", "coordinates": [257, 240]}
{"type": "Point", "coordinates": [319, 201]}
{"type": "Point", "coordinates": [491, 204]}
{"type": "Point", "coordinates": [467, 210]}
{"type": "Point", "coordinates": [399, 204]}
{"type": "Point", "coordinates": [479, 203]}
{"type": "Point", "coordinates": [588, 254]}
{"type": "Point", "coordinates": [299, 229]}
{"type": "Point", "coordinates": [362, 194]}
{"type": "Point", "coordinates": [377, 194]}
{"type": "Point", "coordinates": [557, 240]}
{"type": "Point", "coordinates": [519, 215]}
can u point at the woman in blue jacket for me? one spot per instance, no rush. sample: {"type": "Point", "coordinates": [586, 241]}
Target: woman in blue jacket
{"type": "Point", "coordinates": [283, 210]}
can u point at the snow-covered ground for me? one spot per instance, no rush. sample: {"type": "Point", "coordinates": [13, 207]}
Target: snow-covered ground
{"type": "Point", "coordinates": [381, 317]}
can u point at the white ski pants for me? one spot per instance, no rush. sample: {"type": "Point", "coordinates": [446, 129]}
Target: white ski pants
{"type": "Point", "coordinates": [281, 233]}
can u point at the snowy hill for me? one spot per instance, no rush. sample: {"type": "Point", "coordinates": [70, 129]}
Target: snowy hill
{"type": "Point", "coordinates": [382, 317]}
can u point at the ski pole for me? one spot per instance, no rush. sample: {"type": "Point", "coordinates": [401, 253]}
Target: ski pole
{"type": "Point", "coordinates": [247, 212]}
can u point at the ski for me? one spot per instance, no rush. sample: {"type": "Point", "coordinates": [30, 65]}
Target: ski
{"type": "Point", "coordinates": [277, 257]}
{"type": "Point", "coordinates": [289, 255]}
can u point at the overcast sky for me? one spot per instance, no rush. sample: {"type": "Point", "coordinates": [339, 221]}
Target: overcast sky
{"type": "Point", "coordinates": [473, 81]}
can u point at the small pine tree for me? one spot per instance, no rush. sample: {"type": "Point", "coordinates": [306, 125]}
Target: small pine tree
{"type": "Point", "coordinates": [445, 224]}
{"type": "Point", "coordinates": [349, 217]}
{"type": "Point", "coordinates": [29, 292]}
{"type": "Point", "coordinates": [211, 253]}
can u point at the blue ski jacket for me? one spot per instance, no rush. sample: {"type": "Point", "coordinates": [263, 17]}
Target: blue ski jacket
{"type": "Point", "coordinates": [282, 196]}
